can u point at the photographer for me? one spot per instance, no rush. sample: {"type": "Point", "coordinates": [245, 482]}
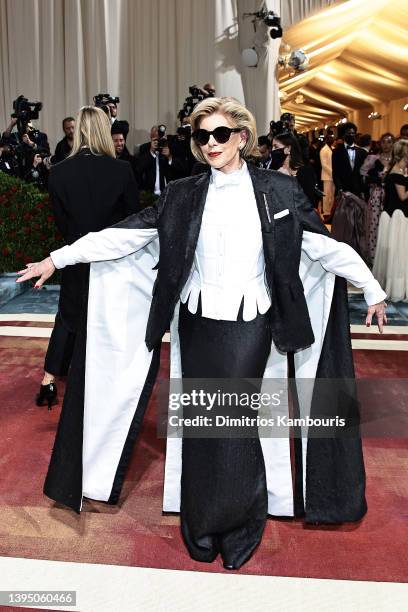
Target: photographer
{"type": "Point", "coordinates": [38, 172]}
{"type": "Point", "coordinates": [26, 140]}
{"type": "Point", "coordinates": [287, 124]}
{"type": "Point", "coordinates": [158, 163]}
{"type": "Point", "coordinates": [64, 146]}
{"type": "Point", "coordinates": [109, 105]}
{"type": "Point", "coordinates": [181, 145]}
{"type": "Point", "coordinates": [7, 161]}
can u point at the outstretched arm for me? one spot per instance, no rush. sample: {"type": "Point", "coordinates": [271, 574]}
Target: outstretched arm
{"type": "Point", "coordinates": [339, 258]}
{"type": "Point", "coordinates": [128, 236]}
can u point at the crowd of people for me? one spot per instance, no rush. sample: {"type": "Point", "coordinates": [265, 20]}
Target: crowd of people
{"type": "Point", "coordinates": [357, 184]}
{"type": "Point", "coordinates": [351, 180]}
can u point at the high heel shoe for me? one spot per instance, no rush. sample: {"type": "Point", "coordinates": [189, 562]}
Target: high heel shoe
{"type": "Point", "coordinates": [47, 395]}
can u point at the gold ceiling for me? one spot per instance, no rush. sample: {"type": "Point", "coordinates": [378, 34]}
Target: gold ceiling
{"type": "Point", "coordinates": [358, 58]}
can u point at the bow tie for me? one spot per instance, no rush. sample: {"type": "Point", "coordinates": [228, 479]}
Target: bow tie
{"type": "Point", "coordinates": [221, 179]}
{"type": "Point", "coordinates": [352, 147]}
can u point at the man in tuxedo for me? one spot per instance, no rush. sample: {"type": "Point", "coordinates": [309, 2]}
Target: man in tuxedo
{"type": "Point", "coordinates": [64, 146]}
{"type": "Point", "coordinates": [157, 165]}
{"type": "Point", "coordinates": [346, 162]}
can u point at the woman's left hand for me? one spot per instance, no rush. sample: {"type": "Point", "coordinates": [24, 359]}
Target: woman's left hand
{"type": "Point", "coordinates": [44, 269]}
{"type": "Point", "coordinates": [379, 311]}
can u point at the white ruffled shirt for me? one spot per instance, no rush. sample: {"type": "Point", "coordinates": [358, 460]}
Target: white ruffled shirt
{"type": "Point", "coordinates": [229, 261]}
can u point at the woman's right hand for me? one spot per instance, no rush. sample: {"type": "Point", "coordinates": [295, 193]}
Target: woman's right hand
{"type": "Point", "coordinates": [43, 269]}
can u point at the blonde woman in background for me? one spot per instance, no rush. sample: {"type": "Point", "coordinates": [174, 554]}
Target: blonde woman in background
{"type": "Point", "coordinates": [89, 191]}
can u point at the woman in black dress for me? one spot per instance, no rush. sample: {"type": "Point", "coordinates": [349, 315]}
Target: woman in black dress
{"type": "Point", "coordinates": [390, 262]}
{"type": "Point", "coordinates": [89, 191]}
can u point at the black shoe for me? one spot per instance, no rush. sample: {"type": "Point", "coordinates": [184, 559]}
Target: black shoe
{"type": "Point", "coordinates": [229, 566]}
{"type": "Point", "coordinates": [47, 395]}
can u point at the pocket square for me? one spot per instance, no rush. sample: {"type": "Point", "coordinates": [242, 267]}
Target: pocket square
{"type": "Point", "coordinates": [282, 213]}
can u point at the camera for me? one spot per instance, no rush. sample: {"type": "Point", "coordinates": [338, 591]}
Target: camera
{"type": "Point", "coordinates": [287, 119]}
{"type": "Point", "coordinates": [278, 127]}
{"type": "Point", "coordinates": [196, 95]}
{"type": "Point", "coordinates": [161, 137]}
{"type": "Point", "coordinates": [24, 112]}
{"type": "Point", "coordinates": [103, 100]}
{"type": "Point", "coordinates": [43, 153]}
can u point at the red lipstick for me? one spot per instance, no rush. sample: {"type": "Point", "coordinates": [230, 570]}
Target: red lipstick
{"type": "Point", "coordinates": [215, 154]}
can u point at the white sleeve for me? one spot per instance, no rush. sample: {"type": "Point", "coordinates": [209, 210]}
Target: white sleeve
{"type": "Point", "coordinates": [110, 243]}
{"type": "Point", "coordinates": [341, 259]}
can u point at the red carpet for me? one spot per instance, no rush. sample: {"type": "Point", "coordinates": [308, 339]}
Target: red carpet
{"type": "Point", "coordinates": [136, 533]}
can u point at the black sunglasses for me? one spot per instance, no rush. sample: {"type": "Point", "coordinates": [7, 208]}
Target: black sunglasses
{"type": "Point", "coordinates": [221, 135]}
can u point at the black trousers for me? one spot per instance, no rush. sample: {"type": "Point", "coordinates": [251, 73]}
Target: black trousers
{"type": "Point", "coordinates": [73, 298]}
{"type": "Point", "coordinates": [223, 482]}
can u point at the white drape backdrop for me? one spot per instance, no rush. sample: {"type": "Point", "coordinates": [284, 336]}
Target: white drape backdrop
{"type": "Point", "coordinates": [148, 52]}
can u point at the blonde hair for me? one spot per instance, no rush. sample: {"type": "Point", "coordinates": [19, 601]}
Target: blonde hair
{"type": "Point", "coordinates": [399, 151]}
{"type": "Point", "coordinates": [239, 116]}
{"type": "Point", "coordinates": [93, 130]}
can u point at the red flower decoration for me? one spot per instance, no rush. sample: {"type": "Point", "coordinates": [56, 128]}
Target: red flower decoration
{"type": "Point", "coordinates": [26, 230]}
{"type": "Point", "coordinates": [5, 251]}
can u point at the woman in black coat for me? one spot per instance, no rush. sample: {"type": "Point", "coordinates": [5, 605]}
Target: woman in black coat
{"type": "Point", "coordinates": [230, 240]}
{"type": "Point", "coordinates": [89, 191]}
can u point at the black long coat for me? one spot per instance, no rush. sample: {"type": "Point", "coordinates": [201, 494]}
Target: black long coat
{"type": "Point", "coordinates": [88, 193]}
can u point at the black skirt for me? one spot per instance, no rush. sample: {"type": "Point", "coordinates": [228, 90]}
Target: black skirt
{"type": "Point", "coordinates": [223, 481]}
